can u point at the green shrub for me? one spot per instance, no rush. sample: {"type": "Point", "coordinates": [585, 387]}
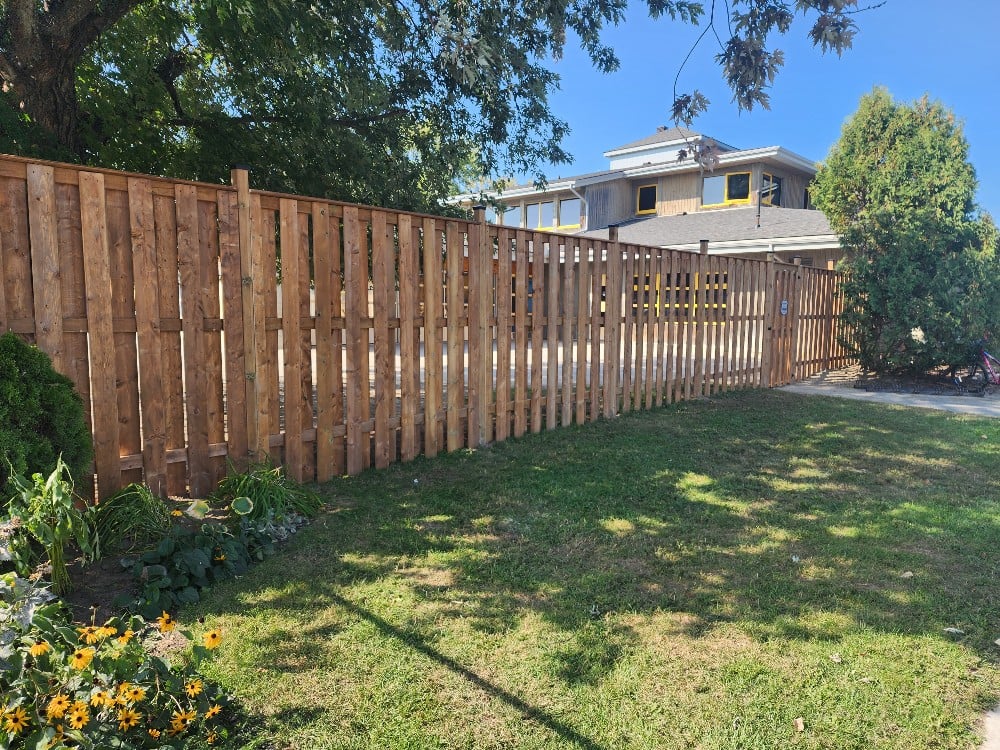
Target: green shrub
{"type": "Point", "coordinates": [41, 416]}
{"type": "Point", "coordinates": [94, 686]}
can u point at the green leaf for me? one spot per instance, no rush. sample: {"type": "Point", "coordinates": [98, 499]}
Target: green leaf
{"type": "Point", "coordinates": [242, 505]}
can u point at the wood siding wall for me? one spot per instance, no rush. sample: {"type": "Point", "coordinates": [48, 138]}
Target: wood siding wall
{"type": "Point", "coordinates": [394, 334]}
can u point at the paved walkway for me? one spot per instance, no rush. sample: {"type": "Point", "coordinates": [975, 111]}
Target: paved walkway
{"type": "Point", "coordinates": [840, 383]}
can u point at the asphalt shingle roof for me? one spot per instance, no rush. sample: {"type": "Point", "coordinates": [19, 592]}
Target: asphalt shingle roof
{"type": "Point", "coordinates": [723, 225]}
{"type": "Point", "coordinates": [660, 136]}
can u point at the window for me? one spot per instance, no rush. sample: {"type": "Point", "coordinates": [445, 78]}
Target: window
{"type": "Point", "coordinates": [645, 199]}
{"type": "Point", "coordinates": [512, 217]}
{"type": "Point", "coordinates": [719, 190]}
{"type": "Point", "coordinates": [531, 215]}
{"type": "Point", "coordinates": [770, 190]}
{"type": "Point", "coordinates": [491, 214]}
{"type": "Point", "coordinates": [806, 199]}
{"type": "Point", "coordinates": [540, 215]}
{"type": "Point", "coordinates": [547, 214]}
{"type": "Point", "coordinates": [569, 213]}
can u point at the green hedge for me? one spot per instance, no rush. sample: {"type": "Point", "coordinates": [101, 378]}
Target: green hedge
{"type": "Point", "coordinates": [41, 416]}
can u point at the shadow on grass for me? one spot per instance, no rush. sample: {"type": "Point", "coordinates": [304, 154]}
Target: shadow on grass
{"type": "Point", "coordinates": [796, 517]}
{"type": "Point", "coordinates": [418, 643]}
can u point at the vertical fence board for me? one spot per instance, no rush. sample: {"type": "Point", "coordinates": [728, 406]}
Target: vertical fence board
{"type": "Point", "coordinates": [409, 353]}
{"type": "Point", "coordinates": [383, 284]}
{"type": "Point", "coordinates": [14, 239]}
{"type": "Point", "coordinates": [46, 287]}
{"type": "Point", "coordinates": [583, 313]}
{"type": "Point", "coordinates": [568, 319]}
{"type": "Point", "coordinates": [328, 354]}
{"type": "Point", "coordinates": [147, 321]}
{"type": "Point", "coordinates": [551, 332]}
{"type": "Point", "coordinates": [596, 313]}
{"type": "Point", "coordinates": [356, 370]}
{"type": "Point", "coordinates": [208, 256]}
{"type": "Point", "coordinates": [456, 344]}
{"type": "Point", "coordinates": [193, 335]}
{"type": "Point", "coordinates": [537, 297]}
{"type": "Point", "coordinates": [265, 303]}
{"type": "Point", "coordinates": [306, 282]}
{"type": "Point", "coordinates": [433, 376]}
{"type": "Point", "coordinates": [74, 305]}
{"type": "Point", "coordinates": [627, 319]}
{"type": "Point", "coordinates": [504, 291]}
{"type": "Point", "coordinates": [522, 271]}
{"type": "Point", "coordinates": [165, 225]}
{"type": "Point", "coordinates": [291, 330]}
{"type": "Point", "coordinates": [237, 442]}
{"type": "Point", "coordinates": [97, 270]}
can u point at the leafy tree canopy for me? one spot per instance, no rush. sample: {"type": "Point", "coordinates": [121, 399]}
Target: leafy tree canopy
{"type": "Point", "coordinates": [370, 100]}
{"type": "Point", "coordinates": [923, 272]}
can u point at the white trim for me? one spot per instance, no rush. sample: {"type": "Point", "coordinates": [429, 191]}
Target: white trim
{"type": "Point", "coordinates": [770, 244]}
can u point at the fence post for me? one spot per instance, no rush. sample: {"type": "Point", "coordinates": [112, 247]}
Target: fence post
{"type": "Point", "coordinates": [769, 301]}
{"type": "Point", "coordinates": [480, 330]}
{"type": "Point", "coordinates": [612, 323]}
{"type": "Point", "coordinates": [240, 177]}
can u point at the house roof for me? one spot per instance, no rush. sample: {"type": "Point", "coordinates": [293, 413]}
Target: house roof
{"type": "Point", "coordinates": [664, 135]}
{"type": "Point", "coordinates": [730, 230]}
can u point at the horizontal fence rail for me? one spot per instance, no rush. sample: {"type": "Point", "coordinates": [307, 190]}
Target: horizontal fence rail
{"type": "Point", "coordinates": [203, 324]}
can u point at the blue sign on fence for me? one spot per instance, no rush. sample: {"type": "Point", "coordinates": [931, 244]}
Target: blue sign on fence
{"type": "Point", "coordinates": [784, 307]}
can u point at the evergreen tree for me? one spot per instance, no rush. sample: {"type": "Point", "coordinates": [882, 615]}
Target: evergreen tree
{"type": "Point", "coordinates": [923, 278]}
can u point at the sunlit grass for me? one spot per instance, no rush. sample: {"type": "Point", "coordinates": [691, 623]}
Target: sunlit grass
{"type": "Point", "coordinates": [696, 577]}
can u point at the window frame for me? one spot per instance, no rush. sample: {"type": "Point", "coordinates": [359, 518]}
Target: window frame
{"type": "Point", "coordinates": [638, 201]}
{"type": "Point", "coordinates": [769, 178]}
{"type": "Point", "coordinates": [560, 219]}
{"type": "Point", "coordinates": [726, 200]}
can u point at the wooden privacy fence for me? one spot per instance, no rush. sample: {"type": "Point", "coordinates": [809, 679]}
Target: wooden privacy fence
{"type": "Point", "coordinates": [202, 323]}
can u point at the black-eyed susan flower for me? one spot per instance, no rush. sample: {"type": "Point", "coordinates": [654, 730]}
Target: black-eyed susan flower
{"type": "Point", "coordinates": [181, 719]}
{"type": "Point", "coordinates": [214, 711]}
{"type": "Point", "coordinates": [165, 622]}
{"type": "Point", "coordinates": [126, 637]}
{"type": "Point", "coordinates": [78, 717]}
{"type": "Point", "coordinates": [212, 737]}
{"type": "Point", "coordinates": [212, 638]}
{"type": "Point", "coordinates": [101, 698]}
{"type": "Point", "coordinates": [154, 733]}
{"type": "Point", "coordinates": [134, 694]}
{"type": "Point", "coordinates": [106, 631]}
{"type": "Point", "coordinates": [15, 721]}
{"type": "Point", "coordinates": [176, 513]}
{"type": "Point", "coordinates": [89, 634]}
{"type": "Point", "coordinates": [39, 647]}
{"type": "Point", "coordinates": [57, 707]}
{"type": "Point", "coordinates": [81, 658]}
{"type": "Point", "coordinates": [193, 687]}
{"type": "Point", "coordinates": [127, 718]}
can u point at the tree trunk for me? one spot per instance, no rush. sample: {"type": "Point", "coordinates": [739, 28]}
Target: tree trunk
{"type": "Point", "coordinates": [42, 46]}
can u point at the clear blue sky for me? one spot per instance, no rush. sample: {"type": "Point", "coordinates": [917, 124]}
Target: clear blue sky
{"type": "Point", "coordinates": [948, 50]}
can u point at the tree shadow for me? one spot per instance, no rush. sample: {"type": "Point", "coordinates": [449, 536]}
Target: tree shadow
{"type": "Point", "coordinates": [801, 527]}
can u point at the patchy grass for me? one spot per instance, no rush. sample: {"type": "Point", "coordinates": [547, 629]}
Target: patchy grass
{"type": "Point", "coordinates": [700, 576]}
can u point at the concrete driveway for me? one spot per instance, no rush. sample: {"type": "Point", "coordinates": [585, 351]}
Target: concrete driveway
{"type": "Point", "coordinates": [840, 384]}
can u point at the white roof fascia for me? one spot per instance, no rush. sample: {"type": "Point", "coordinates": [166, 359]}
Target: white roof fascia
{"type": "Point", "coordinates": [764, 245]}
{"type": "Point", "coordinates": [661, 144]}
{"type": "Point", "coordinates": [730, 158]}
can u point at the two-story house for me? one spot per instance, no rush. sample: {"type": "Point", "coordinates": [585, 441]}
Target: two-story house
{"type": "Point", "coordinates": [676, 188]}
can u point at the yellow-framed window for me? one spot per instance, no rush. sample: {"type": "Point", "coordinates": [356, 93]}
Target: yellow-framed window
{"type": "Point", "coordinates": [645, 199]}
{"type": "Point", "coordinates": [728, 189]}
{"type": "Point", "coordinates": [770, 190]}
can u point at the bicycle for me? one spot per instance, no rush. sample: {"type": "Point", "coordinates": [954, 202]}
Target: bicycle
{"type": "Point", "coordinates": [984, 373]}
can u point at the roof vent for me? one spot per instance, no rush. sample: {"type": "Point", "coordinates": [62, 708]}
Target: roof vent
{"type": "Point", "coordinates": [660, 128]}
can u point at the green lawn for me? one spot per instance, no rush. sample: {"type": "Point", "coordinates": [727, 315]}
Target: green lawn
{"type": "Point", "coordinates": [700, 576]}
